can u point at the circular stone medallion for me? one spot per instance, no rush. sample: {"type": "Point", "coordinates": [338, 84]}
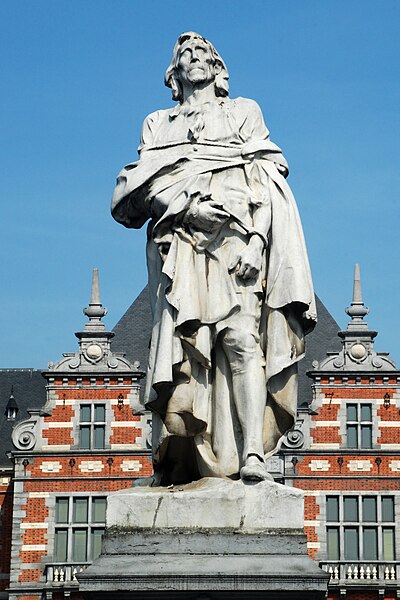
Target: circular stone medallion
{"type": "Point", "coordinates": [358, 351]}
{"type": "Point", "coordinates": [94, 352]}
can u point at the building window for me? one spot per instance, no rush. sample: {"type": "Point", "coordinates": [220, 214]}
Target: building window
{"type": "Point", "coordinates": [80, 524]}
{"type": "Point", "coordinates": [360, 528]}
{"type": "Point", "coordinates": [92, 426]}
{"type": "Point", "coordinates": [359, 426]}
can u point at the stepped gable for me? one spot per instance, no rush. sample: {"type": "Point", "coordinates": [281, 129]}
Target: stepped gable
{"type": "Point", "coordinates": [133, 330]}
{"type": "Point", "coordinates": [29, 390]}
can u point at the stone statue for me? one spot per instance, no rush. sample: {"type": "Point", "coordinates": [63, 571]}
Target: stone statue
{"type": "Point", "coordinates": [229, 278]}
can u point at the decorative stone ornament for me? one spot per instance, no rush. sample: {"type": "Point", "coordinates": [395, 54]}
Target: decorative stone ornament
{"type": "Point", "coordinates": [358, 351]}
{"type": "Point", "coordinates": [94, 353]}
{"type": "Point", "coordinates": [26, 434]}
{"type": "Point", "coordinates": [358, 341]}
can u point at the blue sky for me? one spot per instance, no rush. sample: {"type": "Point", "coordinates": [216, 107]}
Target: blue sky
{"type": "Point", "coordinates": [79, 77]}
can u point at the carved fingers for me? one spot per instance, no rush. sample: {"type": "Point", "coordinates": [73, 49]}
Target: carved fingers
{"type": "Point", "coordinates": [247, 264]}
{"type": "Point", "coordinates": [206, 214]}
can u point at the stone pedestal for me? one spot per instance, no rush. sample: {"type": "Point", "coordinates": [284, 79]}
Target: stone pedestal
{"type": "Point", "coordinates": [211, 539]}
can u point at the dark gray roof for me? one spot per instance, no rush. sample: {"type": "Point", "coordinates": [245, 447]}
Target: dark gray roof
{"type": "Point", "coordinates": [132, 335]}
{"type": "Point", "coordinates": [324, 338]}
{"type": "Point", "coordinates": [133, 330]}
{"type": "Point", "coordinates": [29, 392]}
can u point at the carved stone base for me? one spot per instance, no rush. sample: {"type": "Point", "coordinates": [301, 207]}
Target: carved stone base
{"type": "Point", "coordinates": [212, 539]}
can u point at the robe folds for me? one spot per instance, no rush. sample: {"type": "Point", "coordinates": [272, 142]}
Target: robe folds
{"type": "Point", "coordinates": [220, 150]}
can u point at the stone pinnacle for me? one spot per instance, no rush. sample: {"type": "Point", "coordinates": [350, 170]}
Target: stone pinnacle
{"type": "Point", "coordinates": [95, 311]}
{"type": "Point", "coordinates": [357, 310]}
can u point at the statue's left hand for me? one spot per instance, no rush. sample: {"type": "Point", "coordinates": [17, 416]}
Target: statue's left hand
{"type": "Point", "coordinates": [248, 262]}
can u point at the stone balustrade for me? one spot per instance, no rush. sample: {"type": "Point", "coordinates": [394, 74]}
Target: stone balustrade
{"type": "Point", "coordinates": [60, 573]}
{"type": "Point", "coordinates": [359, 571]}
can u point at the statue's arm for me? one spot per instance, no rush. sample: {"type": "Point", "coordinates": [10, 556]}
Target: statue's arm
{"type": "Point", "coordinates": [254, 132]}
{"type": "Point", "coordinates": [130, 203]}
{"type": "Point", "coordinates": [255, 136]}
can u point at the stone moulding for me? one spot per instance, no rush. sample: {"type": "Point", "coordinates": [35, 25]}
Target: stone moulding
{"type": "Point", "coordinates": [213, 536]}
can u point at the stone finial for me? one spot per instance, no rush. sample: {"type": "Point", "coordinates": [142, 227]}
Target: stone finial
{"type": "Point", "coordinates": [357, 310]}
{"type": "Point", "coordinates": [11, 409]}
{"type": "Point", "coordinates": [357, 353]}
{"type": "Point", "coordinates": [95, 311]}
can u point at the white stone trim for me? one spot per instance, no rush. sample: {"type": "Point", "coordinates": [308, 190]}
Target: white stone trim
{"type": "Point", "coordinates": [129, 466]}
{"type": "Point", "coordinates": [63, 402]}
{"type": "Point", "coordinates": [34, 525]}
{"type": "Point", "coordinates": [57, 424]}
{"type": "Point", "coordinates": [323, 446]}
{"type": "Point", "coordinates": [135, 446]}
{"type": "Point", "coordinates": [313, 545]}
{"type": "Point", "coordinates": [389, 424]}
{"type": "Point", "coordinates": [326, 423]}
{"type": "Point", "coordinates": [38, 494]}
{"type": "Point", "coordinates": [311, 523]}
{"type": "Point", "coordinates": [33, 547]}
{"type": "Point", "coordinates": [364, 466]}
{"type": "Point", "coordinates": [91, 466]}
{"type": "Point", "coordinates": [57, 448]}
{"type": "Point", "coordinates": [320, 465]}
{"type": "Point", "coordinates": [394, 466]}
{"type": "Point", "coordinates": [389, 446]}
{"type": "Point", "coordinates": [125, 424]}
{"type": "Point", "coordinates": [51, 466]}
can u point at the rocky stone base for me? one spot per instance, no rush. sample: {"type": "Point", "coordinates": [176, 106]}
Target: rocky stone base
{"type": "Point", "coordinates": [212, 539]}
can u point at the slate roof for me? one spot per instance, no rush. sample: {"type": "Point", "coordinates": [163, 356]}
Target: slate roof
{"type": "Point", "coordinates": [29, 392]}
{"type": "Point", "coordinates": [132, 336]}
{"type": "Point", "coordinates": [133, 330]}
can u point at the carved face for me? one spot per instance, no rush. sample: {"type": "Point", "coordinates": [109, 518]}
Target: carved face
{"type": "Point", "coordinates": [195, 63]}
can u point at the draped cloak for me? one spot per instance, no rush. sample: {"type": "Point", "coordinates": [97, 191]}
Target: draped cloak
{"type": "Point", "coordinates": [221, 148]}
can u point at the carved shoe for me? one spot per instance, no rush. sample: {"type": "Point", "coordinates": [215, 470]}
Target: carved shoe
{"type": "Point", "coordinates": [152, 481]}
{"type": "Point", "coordinates": [254, 470]}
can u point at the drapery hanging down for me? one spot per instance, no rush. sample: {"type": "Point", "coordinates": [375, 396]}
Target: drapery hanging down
{"type": "Point", "coordinates": [196, 297]}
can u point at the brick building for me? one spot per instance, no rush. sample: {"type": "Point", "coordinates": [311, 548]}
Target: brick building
{"type": "Point", "coordinates": [87, 439]}
{"type": "Point", "coordinates": [87, 435]}
{"type": "Point", "coordinates": [344, 453]}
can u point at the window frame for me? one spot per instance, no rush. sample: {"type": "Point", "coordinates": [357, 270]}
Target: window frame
{"type": "Point", "coordinates": [70, 526]}
{"type": "Point", "coordinates": [91, 426]}
{"type": "Point", "coordinates": [361, 525]}
{"type": "Point", "coordinates": [359, 424]}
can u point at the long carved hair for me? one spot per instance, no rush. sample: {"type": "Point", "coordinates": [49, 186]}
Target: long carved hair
{"type": "Point", "coordinates": [171, 80]}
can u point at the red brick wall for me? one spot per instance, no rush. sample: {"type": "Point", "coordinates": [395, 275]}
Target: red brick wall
{"type": "Point", "coordinates": [6, 502]}
{"type": "Point", "coordinates": [76, 477]}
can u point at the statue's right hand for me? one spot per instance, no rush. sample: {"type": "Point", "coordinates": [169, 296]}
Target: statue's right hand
{"type": "Point", "coordinates": [206, 214]}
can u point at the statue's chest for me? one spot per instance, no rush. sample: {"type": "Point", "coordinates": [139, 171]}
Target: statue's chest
{"type": "Point", "coordinates": [214, 125]}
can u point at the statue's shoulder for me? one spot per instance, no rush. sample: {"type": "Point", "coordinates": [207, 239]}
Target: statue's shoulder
{"type": "Point", "coordinates": [153, 124]}
{"type": "Point", "coordinates": [244, 105]}
{"type": "Point", "coordinates": [158, 115]}
{"type": "Point", "coordinates": [163, 114]}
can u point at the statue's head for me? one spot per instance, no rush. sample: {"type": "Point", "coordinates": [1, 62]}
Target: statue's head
{"type": "Point", "coordinates": [196, 60]}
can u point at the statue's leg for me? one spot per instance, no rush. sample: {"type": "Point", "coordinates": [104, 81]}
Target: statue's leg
{"type": "Point", "coordinates": [246, 361]}
{"type": "Point", "coordinates": [248, 383]}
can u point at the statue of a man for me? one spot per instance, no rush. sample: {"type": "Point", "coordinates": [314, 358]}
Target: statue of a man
{"type": "Point", "coordinates": [229, 278]}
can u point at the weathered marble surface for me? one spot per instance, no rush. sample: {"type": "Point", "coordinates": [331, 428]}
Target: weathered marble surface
{"type": "Point", "coordinates": [229, 279]}
{"type": "Point", "coordinates": [208, 503]}
{"type": "Point", "coordinates": [215, 536]}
